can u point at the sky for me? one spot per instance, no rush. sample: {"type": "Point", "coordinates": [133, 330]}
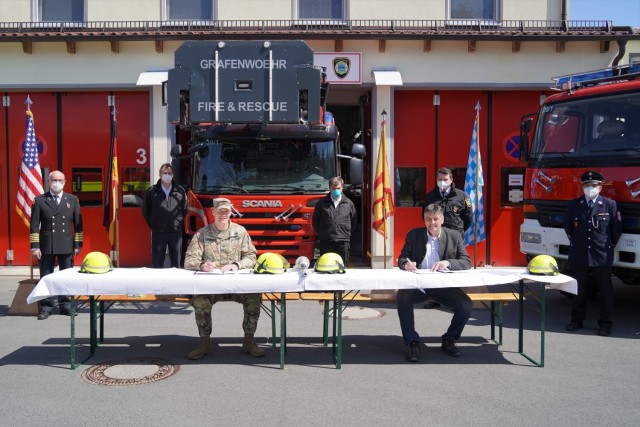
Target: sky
{"type": "Point", "coordinates": [621, 12]}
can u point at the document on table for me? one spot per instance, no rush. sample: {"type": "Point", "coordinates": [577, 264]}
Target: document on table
{"type": "Point", "coordinates": [218, 271]}
{"type": "Point", "coordinates": [427, 271]}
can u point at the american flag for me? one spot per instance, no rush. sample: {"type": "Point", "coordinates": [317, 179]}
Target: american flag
{"type": "Point", "coordinates": [30, 179]}
{"type": "Point", "coordinates": [475, 176]}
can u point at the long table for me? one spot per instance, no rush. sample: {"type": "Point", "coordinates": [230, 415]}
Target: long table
{"type": "Point", "coordinates": [156, 282]}
{"type": "Point", "coordinates": [148, 281]}
{"type": "Point", "coordinates": [358, 280]}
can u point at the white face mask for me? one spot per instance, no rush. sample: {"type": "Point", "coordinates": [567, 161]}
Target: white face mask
{"type": "Point", "coordinates": [166, 178]}
{"type": "Point", "coordinates": [444, 185]}
{"type": "Point", "coordinates": [591, 192]}
{"type": "Point", "coordinates": [56, 187]}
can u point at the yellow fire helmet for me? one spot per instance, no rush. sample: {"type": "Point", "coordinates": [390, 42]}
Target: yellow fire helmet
{"type": "Point", "coordinates": [96, 262]}
{"type": "Point", "coordinates": [330, 263]}
{"type": "Point", "coordinates": [543, 265]}
{"type": "Point", "coordinates": [271, 263]}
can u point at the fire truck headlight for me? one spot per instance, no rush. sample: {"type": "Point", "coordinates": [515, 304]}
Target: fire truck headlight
{"type": "Point", "coordinates": [532, 238]}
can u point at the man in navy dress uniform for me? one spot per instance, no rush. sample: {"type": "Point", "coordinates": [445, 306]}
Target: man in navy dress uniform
{"type": "Point", "coordinates": [55, 232]}
{"type": "Point", "coordinates": [593, 224]}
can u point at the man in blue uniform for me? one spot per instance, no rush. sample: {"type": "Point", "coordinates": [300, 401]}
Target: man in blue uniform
{"type": "Point", "coordinates": [593, 224]}
{"type": "Point", "coordinates": [55, 232]}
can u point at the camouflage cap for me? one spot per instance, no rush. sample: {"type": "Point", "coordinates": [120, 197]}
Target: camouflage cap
{"type": "Point", "coordinates": [591, 177]}
{"type": "Point", "coordinates": [222, 203]}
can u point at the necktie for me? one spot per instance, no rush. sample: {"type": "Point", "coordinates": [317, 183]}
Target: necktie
{"type": "Point", "coordinates": [590, 206]}
{"type": "Point", "coordinates": [55, 198]}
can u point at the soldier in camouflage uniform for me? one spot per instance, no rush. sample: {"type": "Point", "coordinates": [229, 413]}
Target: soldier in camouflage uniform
{"type": "Point", "coordinates": [225, 246]}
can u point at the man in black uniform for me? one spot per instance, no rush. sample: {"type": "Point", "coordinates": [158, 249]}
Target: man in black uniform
{"type": "Point", "coordinates": [593, 225]}
{"type": "Point", "coordinates": [55, 232]}
{"type": "Point", "coordinates": [455, 203]}
{"type": "Point", "coordinates": [163, 208]}
{"type": "Point", "coordinates": [334, 220]}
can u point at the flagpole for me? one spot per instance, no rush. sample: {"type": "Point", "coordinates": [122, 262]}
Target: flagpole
{"type": "Point", "coordinates": [29, 102]}
{"type": "Point", "coordinates": [384, 207]}
{"type": "Point", "coordinates": [477, 219]}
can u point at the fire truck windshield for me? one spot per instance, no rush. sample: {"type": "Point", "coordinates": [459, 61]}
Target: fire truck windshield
{"type": "Point", "coordinates": [589, 131]}
{"type": "Point", "coordinates": [269, 166]}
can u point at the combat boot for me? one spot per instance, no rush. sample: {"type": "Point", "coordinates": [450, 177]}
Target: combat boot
{"type": "Point", "coordinates": [250, 346]}
{"type": "Point", "coordinates": [201, 350]}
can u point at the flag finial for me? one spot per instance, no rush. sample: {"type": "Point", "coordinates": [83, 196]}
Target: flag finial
{"type": "Point", "coordinates": [384, 115]}
{"type": "Point", "coordinates": [28, 102]}
{"type": "Point", "coordinates": [478, 108]}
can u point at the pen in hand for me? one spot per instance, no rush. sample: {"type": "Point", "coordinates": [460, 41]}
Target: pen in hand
{"type": "Point", "coordinates": [410, 265]}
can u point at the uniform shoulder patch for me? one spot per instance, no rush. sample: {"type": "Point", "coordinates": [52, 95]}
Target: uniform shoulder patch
{"type": "Point", "coordinates": [467, 201]}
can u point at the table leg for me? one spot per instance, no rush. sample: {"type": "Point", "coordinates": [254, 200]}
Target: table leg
{"type": "Point", "coordinates": [337, 329]}
{"type": "Point", "coordinates": [521, 289]}
{"type": "Point", "coordinates": [283, 329]}
{"type": "Point", "coordinates": [72, 340]}
{"type": "Point", "coordinates": [273, 324]}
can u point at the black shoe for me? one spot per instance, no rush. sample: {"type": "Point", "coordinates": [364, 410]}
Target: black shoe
{"type": "Point", "coordinates": [414, 352]}
{"type": "Point", "coordinates": [574, 325]}
{"type": "Point", "coordinates": [65, 312]}
{"type": "Point", "coordinates": [431, 304]}
{"type": "Point", "coordinates": [449, 346]}
{"type": "Point", "coordinates": [43, 315]}
{"type": "Point", "coordinates": [604, 332]}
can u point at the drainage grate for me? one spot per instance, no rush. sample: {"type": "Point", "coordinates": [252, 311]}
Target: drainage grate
{"type": "Point", "coordinates": [134, 371]}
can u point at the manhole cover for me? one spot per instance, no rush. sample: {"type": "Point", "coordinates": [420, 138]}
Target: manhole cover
{"type": "Point", "coordinates": [134, 371]}
{"type": "Point", "coordinates": [361, 313]}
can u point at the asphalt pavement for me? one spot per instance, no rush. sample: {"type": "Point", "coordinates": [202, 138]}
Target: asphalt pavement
{"type": "Point", "coordinates": [587, 380]}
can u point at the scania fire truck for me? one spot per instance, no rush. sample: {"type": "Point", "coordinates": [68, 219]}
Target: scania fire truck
{"type": "Point", "coordinates": [592, 124]}
{"type": "Point", "coordinates": [252, 126]}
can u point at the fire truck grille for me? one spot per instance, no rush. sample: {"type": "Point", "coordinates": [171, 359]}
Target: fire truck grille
{"type": "Point", "coordinates": [551, 214]}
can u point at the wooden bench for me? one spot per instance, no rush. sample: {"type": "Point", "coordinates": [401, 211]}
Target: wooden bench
{"type": "Point", "coordinates": [487, 299]}
{"type": "Point", "coordinates": [100, 304]}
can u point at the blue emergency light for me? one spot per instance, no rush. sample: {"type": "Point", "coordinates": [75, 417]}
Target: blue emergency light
{"type": "Point", "coordinates": [590, 78]}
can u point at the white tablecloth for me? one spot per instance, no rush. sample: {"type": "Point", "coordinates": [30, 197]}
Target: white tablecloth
{"type": "Point", "coordinates": [380, 279]}
{"type": "Point", "coordinates": [158, 281]}
{"type": "Point", "coordinates": [173, 281]}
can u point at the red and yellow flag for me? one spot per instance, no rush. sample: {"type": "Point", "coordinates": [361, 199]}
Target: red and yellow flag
{"type": "Point", "coordinates": [111, 193]}
{"type": "Point", "coordinates": [382, 196]}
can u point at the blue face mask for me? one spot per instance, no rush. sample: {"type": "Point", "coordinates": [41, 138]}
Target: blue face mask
{"type": "Point", "coordinates": [335, 193]}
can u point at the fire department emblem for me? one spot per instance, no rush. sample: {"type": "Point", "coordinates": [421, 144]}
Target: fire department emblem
{"type": "Point", "coordinates": [341, 67]}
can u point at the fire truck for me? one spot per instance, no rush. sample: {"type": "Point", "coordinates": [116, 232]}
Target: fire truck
{"type": "Point", "coordinates": [592, 124]}
{"type": "Point", "coordinates": [252, 126]}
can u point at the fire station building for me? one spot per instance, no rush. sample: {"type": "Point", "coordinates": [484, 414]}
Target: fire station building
{"type": "Point", "coordinates": [426, 64]}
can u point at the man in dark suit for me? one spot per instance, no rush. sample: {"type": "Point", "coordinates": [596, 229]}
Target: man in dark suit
{"type": "Point", "coordinates": [435, 248]}
{"type": "Point", "coordinates": [593, 225]}
{"type": "Point", "coordinates": [55, 232]}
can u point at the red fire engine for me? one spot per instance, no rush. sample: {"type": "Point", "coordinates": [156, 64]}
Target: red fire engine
{"type": "Point", "coordinates": [592, 124]}
{"type": "Point", "coordinates": [253, 128]}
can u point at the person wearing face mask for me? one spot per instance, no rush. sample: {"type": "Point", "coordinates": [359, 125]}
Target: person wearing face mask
{"type": "Point", "coordinates": [163, 207]}
{"type": "Point", "coordinates": [594, 225]}
{"type": "Point", "coordinates": [455, 203]}
{"type": "Point", "coordinates": [334, 220]}
{"type": "Point", "coordinates": [55, 232]}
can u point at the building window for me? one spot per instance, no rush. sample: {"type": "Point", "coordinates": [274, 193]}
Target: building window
{"type": "Point", "coordinates": [410, 187]}
{"type": "Point", "coordinates": [473, 9]}
{"type": "Point", "coordinates": [135, 184]}
{"type": "Point", "coordinates": [201, 10]}
{"type": "Point", "coordinates": [321, 9]}
{"type": "Point", "coordinates": [60, 10]}
{"type": "Point", "coordinates": [86, 185]}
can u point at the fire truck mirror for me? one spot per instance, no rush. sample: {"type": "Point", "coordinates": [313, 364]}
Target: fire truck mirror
{"type": "Point", "coordinates": [358, 150]}
{"type": "Point", "coordinates": [356, 171]}
{"type": "Point", "coordinates": [176, 150]}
